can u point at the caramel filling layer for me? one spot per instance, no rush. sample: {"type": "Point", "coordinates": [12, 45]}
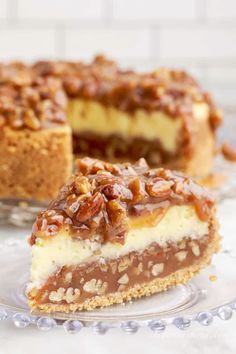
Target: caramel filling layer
{"type": "Point", "coordinates": [115, 147]}
{"type": "Point", "coordinates": [75, 284]}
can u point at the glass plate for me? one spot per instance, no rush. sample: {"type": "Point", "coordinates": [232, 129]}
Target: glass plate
{"type": "Point", "coordinates": [200, 300]}
{"type": "Point", "coordinates": [21, 212]}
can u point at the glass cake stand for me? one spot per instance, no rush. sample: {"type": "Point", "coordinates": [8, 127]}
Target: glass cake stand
{"type": "Point", "coordinates": [22, 212]}
{"type": "Point", "coordinates": [210, 294]}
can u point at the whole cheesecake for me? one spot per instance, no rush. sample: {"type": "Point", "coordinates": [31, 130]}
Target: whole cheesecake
{"type": "Point", "coordinates": [117, 232]}
{"type": "Point", "coordinates": [108, 113]}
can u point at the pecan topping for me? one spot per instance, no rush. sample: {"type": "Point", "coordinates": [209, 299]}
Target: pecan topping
{"type": "Point", "coordinates": [157, 269]}
{"type": "Point", "coordinates": [90, 207]}
{"type": "Point", "coordinates": [158, 188]}
{"type": "Point", "coordinates": [70, 295]}
{"type": "Point", "coordinates": [229, 152]}
{"type": "Point", "coordinates": [171, 91]}
{"type": "Point", "coordinates": [195, 249]}
{"type": "Point", "coordinates": [81, 185]}
{"type": "Point", "coordinates": [95, 286]}
{"type": "Point", "coordinates": [181, 255]}
{"type": "Point", "coordinates": [117, 225]}
{"type": "Point", "coordinates": [103, 201]}
{"type": "Point", "coordinates": [32, 103]}
{"type": "Point", "coordinates": [124, 279]}
{"type": "Point", "coordinates": [114, 191]}
{"type": "Point", "coordinates": [137, 187]}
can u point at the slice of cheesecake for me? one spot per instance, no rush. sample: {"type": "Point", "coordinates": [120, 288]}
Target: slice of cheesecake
{"type": "Point", "coordinates": [118, 232]}
{"type": "Point", "coordinates": [35, 139]}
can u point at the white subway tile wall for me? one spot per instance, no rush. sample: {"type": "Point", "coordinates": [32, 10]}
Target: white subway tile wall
{"type": "Point", "coordinates": [3, 9]}
{"type": "Point", "coordinates": [197, 35]}
{"type": "Point", "coordinates": [221, 9]}
{"type": "Point", "coordinates": [65, 10]}
{"type": "Point", "coordinates": [201, 43]}
{"type": "Point", "coordinates": [26, 44]}
{"type": "Point", "coordinates": [134, 10]}
{"type": "Point", "coordinates": [118, 43]}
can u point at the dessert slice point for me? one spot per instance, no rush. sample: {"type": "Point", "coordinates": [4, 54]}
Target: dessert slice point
{"type": "Point", "coordinates": [118, 232]}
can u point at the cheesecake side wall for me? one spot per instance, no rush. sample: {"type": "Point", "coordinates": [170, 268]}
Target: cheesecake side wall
{"type": "Point", "coordinates": [201, 162]}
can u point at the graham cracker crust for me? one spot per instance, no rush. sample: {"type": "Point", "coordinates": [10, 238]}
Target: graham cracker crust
{"type": "Point", "coordinates": [34, 164]}
{"type": "Point", "coordinates": [181, 276]}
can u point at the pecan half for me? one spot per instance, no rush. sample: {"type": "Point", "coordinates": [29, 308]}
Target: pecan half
{"type": "Point", "coordinates": [114, 191]}
{"type": "Point", "coordinates": [81, 185]}
{"type": "Point", "coordinates": [137, 187]}
{"type": "Point", "coordinates": [158, 188]}
{"type": "Point", "coordinates": [90, 207]}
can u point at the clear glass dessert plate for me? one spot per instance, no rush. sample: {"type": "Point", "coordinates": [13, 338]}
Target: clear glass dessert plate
{"type": "Point", "coordinates": [210, 294]}
{"type": "Point", "coordinates": [22, 212]}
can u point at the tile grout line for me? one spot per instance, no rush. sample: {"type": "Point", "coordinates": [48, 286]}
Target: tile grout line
{"type": "Point", "coordinates": [12, 12]}
{"type": "Point", "coordinates": [201, 11]}
{"type": "Point", "coordinates": [107, 12]}
{"type": "Point", "coordinates": [60, 41]}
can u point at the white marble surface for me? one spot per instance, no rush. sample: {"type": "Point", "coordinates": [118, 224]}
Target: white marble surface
{"type": "Point", "coordinates": [220, 337]}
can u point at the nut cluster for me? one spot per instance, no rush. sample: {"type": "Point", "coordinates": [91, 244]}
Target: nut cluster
{"type": "Point", "coordinates": [100, 199]}
{"type": "Point", "coordinates": [34, 105]}
{"type": "Point", "coordinates": [16, 74]}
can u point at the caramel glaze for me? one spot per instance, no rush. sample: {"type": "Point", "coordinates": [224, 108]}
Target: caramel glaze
{"type": "Point", "coordinates": [101, 200]}
{"type": "Point", "coordinates": [122, 273]}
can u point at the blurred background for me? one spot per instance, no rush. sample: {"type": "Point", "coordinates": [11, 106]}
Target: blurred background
{"type": "Point", "coordinates": [197, 35]}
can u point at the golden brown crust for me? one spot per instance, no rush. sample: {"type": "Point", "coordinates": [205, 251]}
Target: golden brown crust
{"type": "Point", "coordinates": [158, 285]}
{"type": "Point", "coordinates": [34, 164]}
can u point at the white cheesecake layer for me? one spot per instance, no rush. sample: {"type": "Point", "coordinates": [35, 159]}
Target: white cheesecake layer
{"type": "Point", "coordinates": [50, 254]}
{"type": "Point", "coordinates": [92, 116]}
